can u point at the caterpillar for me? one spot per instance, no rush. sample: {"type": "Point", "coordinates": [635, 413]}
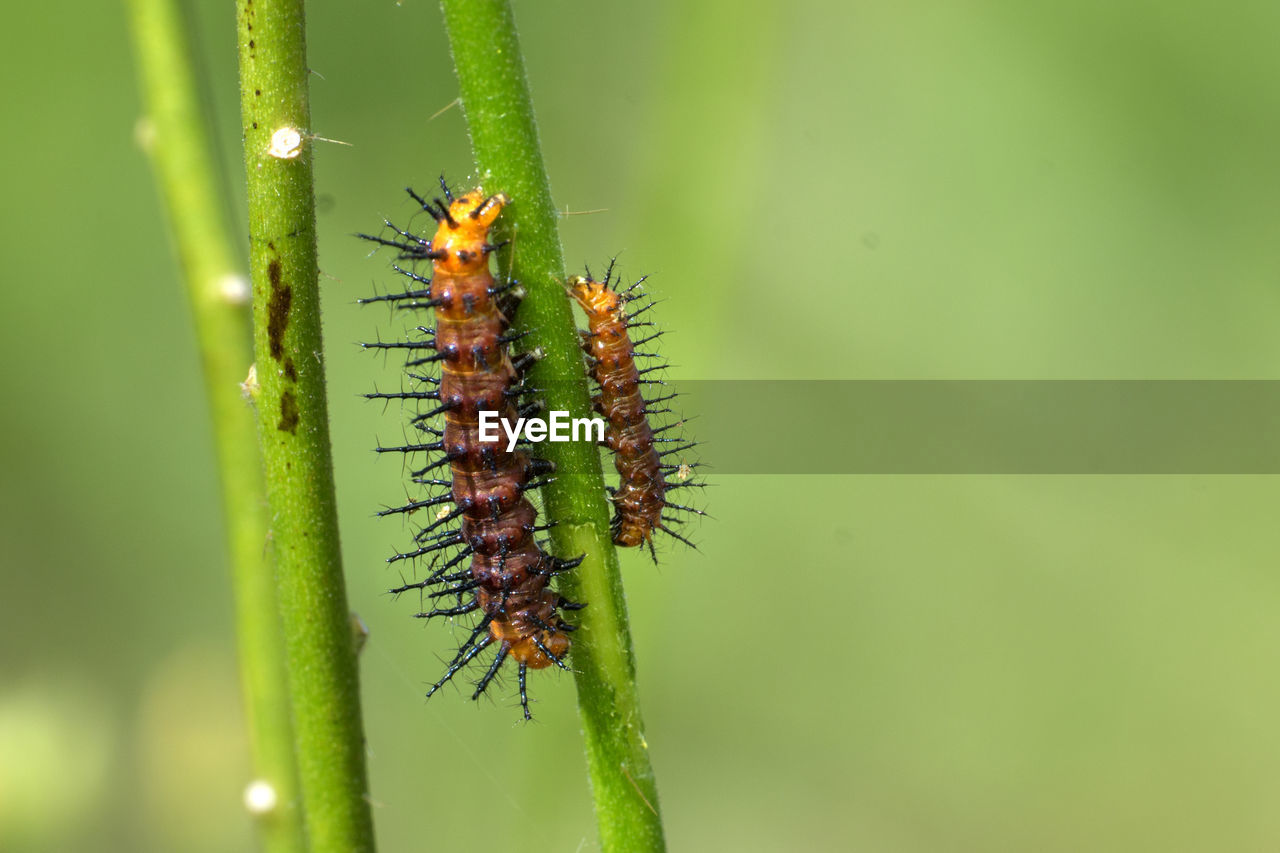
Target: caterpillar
{"type": "Point", "coordinates": [507, 573]}
{"type": "Point", "coordinates": [646, 478]}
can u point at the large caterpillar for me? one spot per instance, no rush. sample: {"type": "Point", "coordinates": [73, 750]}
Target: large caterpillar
{"type": "Point", "coordinates": [507, 578]}
{"type": "Point", "coordinates": [646, 478]}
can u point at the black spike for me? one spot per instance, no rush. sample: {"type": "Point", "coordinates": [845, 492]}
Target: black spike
{"type": "Point", "coordinates": [411, 345]}
{"type": "Point", "coordinates": [539, 466]}
{"type": "Point", "coordinates": [563, 565]}
{"type": "Point", "coordinates": [395, 297]}
{"type": "Point", "coordinates": [455, 590]}
{"type": "Point", "coordinates": [536, 484]}
{"type": "Point", "coordinates": [479, 208]}
{"type": "Point", "coordinates": [444, 211]}
{"type": "Point", "coordinates": [413, 506]}
{"type": "Point", "coordinates": [421, 535]}
{"type": "Point", "coordinates": [652, 337]}
{"type": "Point", "coordinates": [546, 651]}
{"type": "Point", "coordinates": [690, 465]}
{"type": "Point", "coordinates": [448, 611]}
{"type": "Point", "coordinates": [483, 683]}
{"type": "Point", "coordinates": [423, 203]}
{"type": "Point", "coordinates": [672, 533]}
{"type": "Point", "coordinates": [412, 448]}
{"type": "Point", "coordinates": [382, 241]}
{"type": "Point", "coordinates": [524, 695]}
{"type": "Point", "coordinates": [403, 395]}
{"type": "Point", "coordinates": [641, 280]}
{"type": "Point", "coordinates": [649, 306]}
{"type": "Point", "coordinates": [674, 450]}
{"type": "Point", "coordinates": [420, 279]}
{"type": "Point", "coordinates": [455, 539]}
{"type": "Point", "coordinates": [439, 463]}
{"type": "Point", "coordinates": [466, 654]}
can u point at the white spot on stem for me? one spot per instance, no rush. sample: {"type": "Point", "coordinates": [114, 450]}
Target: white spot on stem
{"type": "Point", "coordinates": [286, 143]}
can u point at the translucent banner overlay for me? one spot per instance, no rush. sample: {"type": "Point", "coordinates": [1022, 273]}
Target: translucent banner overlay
{"type": "Point", "coordinates": [981, 427]}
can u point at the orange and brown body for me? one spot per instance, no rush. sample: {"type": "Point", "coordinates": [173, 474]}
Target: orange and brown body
{"type": "Point", "coordinates": [642, 493]}
{"type": "Point", "coordinates": [508, 574]}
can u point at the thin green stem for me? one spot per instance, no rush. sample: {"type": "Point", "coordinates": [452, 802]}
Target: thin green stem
{"type": "Point", "coordinates": [293, 425]}
{"type": "Point", "coordinates": [178, 141]}
{"type": "Point", "coordinates": [504, 137]}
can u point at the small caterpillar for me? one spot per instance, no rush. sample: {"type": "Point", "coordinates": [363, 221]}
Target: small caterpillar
{"type": "Point", "coordinates": [508, 573]}
{"type": "Point", "coordinates": [643, 490]}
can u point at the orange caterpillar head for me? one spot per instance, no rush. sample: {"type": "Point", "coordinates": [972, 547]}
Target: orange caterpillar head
{"type": "Point", "coordinates": [461, 244]}
{"type": "Point", "coordinates": [598, 300]}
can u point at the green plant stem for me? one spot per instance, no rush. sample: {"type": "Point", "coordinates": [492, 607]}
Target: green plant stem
{"type": "Point", "coordinates": [177, 139]}
{"type": "Point", "coordinates": [504, 137]}
{"type": "Point", "coordinates": [293, 426]}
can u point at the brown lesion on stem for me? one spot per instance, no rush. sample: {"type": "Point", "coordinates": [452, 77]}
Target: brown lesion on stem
{"type": "Point", "coordinates": [289, 415]}
{"type": "Point", "coordinates": [277, 309]}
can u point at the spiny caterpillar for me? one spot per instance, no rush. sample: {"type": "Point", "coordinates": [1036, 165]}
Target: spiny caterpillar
{"type": "Point", "coordinates": [506, 578]}
{"type": "Point", "coordinates": [646, 478]}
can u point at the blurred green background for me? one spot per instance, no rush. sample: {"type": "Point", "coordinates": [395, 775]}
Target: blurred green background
{"type": "Point", "coordinates": [824, 190]}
